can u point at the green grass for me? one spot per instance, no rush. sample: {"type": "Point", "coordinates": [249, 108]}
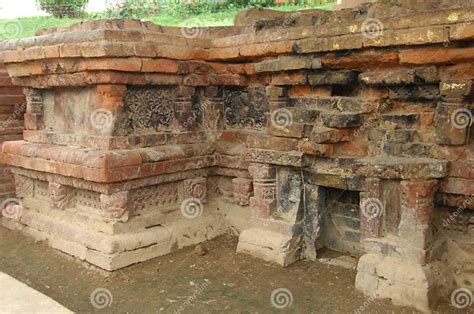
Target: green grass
{"type": "Point", "coordinates": [27, 26]}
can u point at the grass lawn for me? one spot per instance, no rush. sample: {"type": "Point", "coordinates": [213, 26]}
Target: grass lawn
{"type": "Point", "coordinates": [27, 26]}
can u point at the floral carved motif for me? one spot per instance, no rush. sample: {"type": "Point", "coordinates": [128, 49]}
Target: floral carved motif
{"type": "Point", "coordinates": [195, 188]}
{"type": "Point", "coordinates": [246, 108]}
{"type": "Point", "coordinates": [149, 109]}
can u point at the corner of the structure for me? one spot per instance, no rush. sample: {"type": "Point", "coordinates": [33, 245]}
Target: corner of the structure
{"type": "Point", "coordinates": [405, 283]}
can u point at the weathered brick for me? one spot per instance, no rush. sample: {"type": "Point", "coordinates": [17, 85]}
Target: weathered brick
{"type": "Point", "coordinates": [341, 120]}
{"type": "Point", "coordinates": [421, 75]}
{"type": "Point", "coordinates": [287, 63]}
{"type": "Point", "coordinates": [357, 60]}
{"type": "Point", "coordinates": [327, 135]}
{"type": "Point", "coordinates": [298, 78]}
{"type": "Point", "coordinates": [332, 78]}
{"type": "Point", "coordinates": [160, 66]}
{"type": "Point", "coordinates": [436, 56]}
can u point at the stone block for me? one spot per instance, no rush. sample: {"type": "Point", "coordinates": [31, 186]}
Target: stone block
{"type": "Point", "coordinates": [269, 246]}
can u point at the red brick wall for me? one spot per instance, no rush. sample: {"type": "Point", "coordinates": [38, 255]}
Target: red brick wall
{"type": "Point", "coordinates": [12, 107]}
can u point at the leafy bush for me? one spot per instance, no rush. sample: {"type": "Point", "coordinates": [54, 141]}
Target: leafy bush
{"type": "Point", "coordinates": [63, 8]}
{"type": "Point", "coordinates": [184, 8]}
{"type": "Point", "coordinates": [213, 6]}
{"type": "Point", "coordinates": [134, 9]}
{"type": "Point", "coordinates": [180, 8]}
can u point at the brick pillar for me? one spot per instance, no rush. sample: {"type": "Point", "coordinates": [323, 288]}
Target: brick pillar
{"type": "Point", "coordinates": [263, 202]}
{"type": "Point", "coordinates": [416, 224]}
{"type": "Point", "coordinates": [453, 118]}
{"type": "Point", "coordinates": [280, 120]}
{"type": "Point", "coordinates": [277, 97]}
{"type": "Point", "coordinates": [104, 113]}
{"type": "Point", "coordinates": [371, 209]}
{"type": "Point", "coordinates": [34, 109]}
{"type": "Point", "coordinates": [212, 108]}
{"type": "Point", "coordinates": [186, 116]}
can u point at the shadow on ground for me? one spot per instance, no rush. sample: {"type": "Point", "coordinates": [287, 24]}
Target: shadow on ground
{"type": "Point", "coordinates": [220, 281]}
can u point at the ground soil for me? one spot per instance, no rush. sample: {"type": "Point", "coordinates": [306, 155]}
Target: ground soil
{"type": "Point", "coordinates": [219, 281]}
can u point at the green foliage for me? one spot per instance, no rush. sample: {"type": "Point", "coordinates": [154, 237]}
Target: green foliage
{"type": "Point", "coordinates": [148, 8]}
{"type": "Point", "coordinates": [177, 8]}
{"type": "Point", "coordinates": [140, 9]}
{"type": "Point", "coordinates": [134, 9]}
{"type": "Point", "coordinates": [27, 27]}
{"type": "Point", "coordinates": [63, 8]}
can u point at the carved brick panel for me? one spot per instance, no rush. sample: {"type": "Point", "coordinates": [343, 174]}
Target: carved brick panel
{"type": "Point", "coordinates": [148, 109]}
{"type": "Point", "coordinates": [195, 188]}
{"type": "Point", "coordinates": [242, 190]}
{"type": "Point", "coordinates": [247, 108]}
{"type": "Point", "coordinates": [115, 206]}
{"type": "Point", "coordinates": [24, 186]}
{"type": "Point", "coordinates": [59, 195]}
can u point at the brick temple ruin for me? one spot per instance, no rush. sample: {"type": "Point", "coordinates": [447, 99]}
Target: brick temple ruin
{"type": "Point", "coordinates": [349, 130]}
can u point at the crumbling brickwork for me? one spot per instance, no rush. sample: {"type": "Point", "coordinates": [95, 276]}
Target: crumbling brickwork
{"type": "Point", "coordinates": [141, 139]}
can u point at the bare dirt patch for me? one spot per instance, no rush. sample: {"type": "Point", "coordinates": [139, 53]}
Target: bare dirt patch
{"type": "Point", "coordinates": [219, 281]}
